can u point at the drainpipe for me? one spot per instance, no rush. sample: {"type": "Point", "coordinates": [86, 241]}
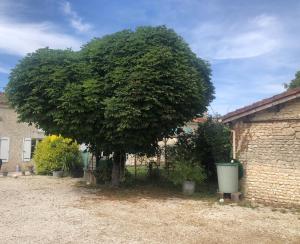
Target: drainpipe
{"type": "Point", "coordinates": [233, 144]}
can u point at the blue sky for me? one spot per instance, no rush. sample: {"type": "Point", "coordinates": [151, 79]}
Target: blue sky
{"type": "Point", "coordinates": [253, 46]}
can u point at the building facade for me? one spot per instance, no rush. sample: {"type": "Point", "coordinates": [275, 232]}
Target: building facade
{"type": "Point", "coordinates": [266, 139]}
{"type": "Point", "coordinates": [17, 140]}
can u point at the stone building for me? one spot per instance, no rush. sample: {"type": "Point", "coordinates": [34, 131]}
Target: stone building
{"type": "Point", "coordinates": [189, 127]}
{"type": "Point", "coordinates": [17, 140]}
{"type": "Point", "coordinates": [266, 139]}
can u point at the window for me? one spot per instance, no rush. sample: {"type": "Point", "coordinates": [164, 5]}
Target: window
{"type": "Point", "coordinates": [4, 148]}
{"type": "Point", "coordinates": [29, 145]}
{"type": "Point", "coordinates": [34, 143]}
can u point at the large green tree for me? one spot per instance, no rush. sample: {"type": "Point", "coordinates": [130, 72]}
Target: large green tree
{"type": "Point", "coordinates": [294, 83]}
{"type": "Point", "coordinates": [121, 93]}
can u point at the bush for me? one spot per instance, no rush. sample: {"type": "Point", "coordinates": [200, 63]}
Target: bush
{"type": "Point", "coordinates": [212, 142]}
{"type": "Point", "coordinates": [55, 153]}
{"type": "Point", "coordinates": [208, 145]}
{"type": "Point", "coordinates": [103, 171]}
{"type": "Point", "coordinates": [186, 171]}
{"type": "Point", "coordinates": [240, 168]}
{"type": "Point", "coordinates": [153, 171]}
{"type": "Point", "coordinates": [129, 178]}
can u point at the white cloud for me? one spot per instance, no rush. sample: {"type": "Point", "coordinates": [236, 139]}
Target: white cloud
{"type": "Point", "coordinates": [19, 37]}
{"type": "Point", "coordinates": [74, 19]}
{"type": "Point", "coordinates": [245, 45]}
{"type": "Point", "coordinates": [258, 36]}
{"type": "Point", "coordinates": [265, 21]}
{"type": "Point", "coordinates": [4, 70]}
{"type": "Point", "coordinates": [22, 38]}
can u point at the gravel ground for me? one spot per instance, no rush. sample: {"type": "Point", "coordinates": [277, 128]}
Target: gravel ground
{"type": "Point", "coordinates": [46, 210]}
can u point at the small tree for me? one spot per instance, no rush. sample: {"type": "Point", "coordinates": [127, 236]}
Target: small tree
{"type": "Point", "coordinates": [208, 145]}
{"type": "Point", "coordinates": [212, 145]}
{"type": "Point", "coordinates": [294, 83]}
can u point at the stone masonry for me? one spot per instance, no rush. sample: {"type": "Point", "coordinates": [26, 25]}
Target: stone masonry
{"type": "Point", "coordinates": [268, 145]}
{"type": "Point", "coordinates": [16, 132]}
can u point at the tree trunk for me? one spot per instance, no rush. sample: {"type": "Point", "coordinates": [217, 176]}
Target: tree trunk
{"type": "Point", "coordinates": [118, 168]}
{"type": "Point", "coordinates": [98, 157]}
{"type": "Point", "coordinates": [122, 167]}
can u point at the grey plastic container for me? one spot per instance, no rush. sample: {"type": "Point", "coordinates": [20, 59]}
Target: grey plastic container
{"type": "Point", "coordinates": [58, 174]}
{"type": "Point", "coordinates": [188, 187]}
{"type": "Point", "coordinates": [228, 177]}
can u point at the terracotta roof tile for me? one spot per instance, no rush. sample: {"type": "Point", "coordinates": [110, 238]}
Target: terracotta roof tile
{"type": "Point", "coordinates": [263, 102]}
{"type": "Point", "coordinates": [199, 120]}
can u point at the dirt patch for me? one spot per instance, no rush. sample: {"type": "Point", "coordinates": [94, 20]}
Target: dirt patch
{"type": "Point", "coordinates": [46, 210]}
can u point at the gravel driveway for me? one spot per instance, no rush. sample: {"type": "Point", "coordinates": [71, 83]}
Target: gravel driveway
{"type": "Point", "coordinates": [46, 210]}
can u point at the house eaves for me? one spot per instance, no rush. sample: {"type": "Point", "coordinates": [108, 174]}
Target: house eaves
{"type": "Point", "coordinates": [262, 105]}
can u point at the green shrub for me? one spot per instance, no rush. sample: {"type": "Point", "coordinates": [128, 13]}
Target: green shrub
{"type": "Point", "coordinates": [208, 145]}
{"type": "Point", "coordinates": [57, 153]}
{"type": "Point", "coordinates": [153, 171]}
{"type": "Point", "coordinates": [184, 170]}
{"type": "Point", "coordinates": [212, 145]}
{"type": "Point", "coordinates": [129, 178]}
{"type": "Point", "coordinates": [241, 168]}
{"type": "Point", "coordinates": [103, 171]}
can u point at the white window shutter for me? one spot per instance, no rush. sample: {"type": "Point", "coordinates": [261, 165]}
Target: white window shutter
{"type": "Point", "coordinates": [4, 149]}
{"type": "Point", "coordinates": [26, 149]}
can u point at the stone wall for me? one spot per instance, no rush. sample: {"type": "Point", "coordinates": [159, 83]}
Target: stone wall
{"type": "Point", "coordinates": [16, 132]}
{"type": "Point", "coordinates": [268, 145]}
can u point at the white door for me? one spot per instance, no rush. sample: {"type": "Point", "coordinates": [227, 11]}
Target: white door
{"type": "Point", "coordinates": [26, 149]}
{"type": "Point", "coordinates": [4, 148]}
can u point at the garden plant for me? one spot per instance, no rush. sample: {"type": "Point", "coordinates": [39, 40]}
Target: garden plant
{"type": "Point", "coordinates": [55, 153]}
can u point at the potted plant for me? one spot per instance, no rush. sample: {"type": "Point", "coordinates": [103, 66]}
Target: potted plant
{"type": "Point", "coordinates": [187, 174]}
{"type": "Point", "coordinates": [63, 166]}
{"type": "Point", "coordinates": [58, 171]}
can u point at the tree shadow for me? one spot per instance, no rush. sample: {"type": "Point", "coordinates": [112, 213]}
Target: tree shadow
{"type": "Point", "coordinates": [147, 191]}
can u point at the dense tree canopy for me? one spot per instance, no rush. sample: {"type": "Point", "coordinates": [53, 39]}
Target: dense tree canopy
{"type": "Point", "coordinates": [121, 93]}
{"type": "Point", "coordinates": [295, 82]}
